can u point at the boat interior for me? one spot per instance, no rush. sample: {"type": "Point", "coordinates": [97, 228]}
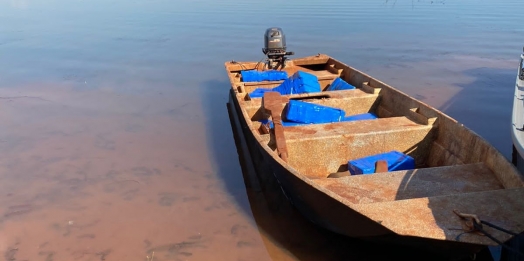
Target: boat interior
{"type": "Point", "coordinates": [435, 141]}
{"type": "Point", "coordinates": [452, 163]}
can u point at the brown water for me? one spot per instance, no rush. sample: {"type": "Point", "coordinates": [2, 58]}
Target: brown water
{"type": "Point", "coordinates": [99, 174]}
{"type": "Point", "coordinates": [115, 140]}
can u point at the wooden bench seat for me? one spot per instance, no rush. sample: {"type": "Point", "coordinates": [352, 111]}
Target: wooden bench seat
{"type": "Point", "coordinates": [317, 150]}
{"type": "Point", "coordinates": [351, 101]}
{"type": "Point", "coordinates": [365, 127]}
{"type": "Point", "coordinates": [433, 217]}
{"type": "Point", "coordinates": [417, 183]}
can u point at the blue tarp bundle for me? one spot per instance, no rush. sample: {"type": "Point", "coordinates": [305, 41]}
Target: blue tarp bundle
{"type": "Point", "coordinates": [304, 112]}
{"type": "Point", "coordinates": [358, 117]}
{"type": "Point", "coordinates": [339, 84]}
{"type": "Point", "coordinates": [258, 76]}
{"type": "Point", "coordinates": [300, 113]}
{"type": "Point", "coordinates": [396, 161]}
{"type": "Point", "coordinates": [300, 82]}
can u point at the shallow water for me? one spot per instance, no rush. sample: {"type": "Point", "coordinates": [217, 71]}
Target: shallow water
{"type": "Point", "coordinates": [115, 137]}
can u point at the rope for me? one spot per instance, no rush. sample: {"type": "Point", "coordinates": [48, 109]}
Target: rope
{"type": "Point", "coordinates": [474, 225]}
{"type": "Point", "coordinates": [499, 228]}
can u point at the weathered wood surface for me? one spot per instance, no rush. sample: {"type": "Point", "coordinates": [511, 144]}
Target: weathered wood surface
{"type": "Point", "coordinates": [272, 102]}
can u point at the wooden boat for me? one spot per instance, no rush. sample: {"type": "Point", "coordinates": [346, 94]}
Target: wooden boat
{"type": "Point", "coordinates": [456, 171]}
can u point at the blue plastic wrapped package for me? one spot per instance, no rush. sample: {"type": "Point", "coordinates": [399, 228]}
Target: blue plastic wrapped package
{"type": "Point", "coordinates": [258, 76]}
{"type": "Point", "coordinates": [358, 117]}
{"type": "Point", "coordinates": [259, 92]}
{"type": "Point", "coordinates": [339, 84]}
{"type": "Point", "coordinates": [305, 81]}
{"type": "Point", "coordinates": [285, 87]}
{"type": "Point", "coordinates": [396, 161]}
{"type": "Point", "coordinates": [300, 82]}
{"type": "Point", "coordinates": [304, 112]}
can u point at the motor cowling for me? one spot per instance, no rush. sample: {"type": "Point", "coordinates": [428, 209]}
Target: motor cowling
{"type": "Point", "coordinates": [274, 42]}
{"type": "Point", "coordinates": [275, 48]}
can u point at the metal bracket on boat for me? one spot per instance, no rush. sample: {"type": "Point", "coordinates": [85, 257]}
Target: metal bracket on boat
{"type": "Point", "coordinates": [471, 221]}
{"type": "Point", "coordinates": [272, 102]}
{"type": "Point", "coordinates": [473, 224]}
{"type": "Point", "coordinates": [521, 97]}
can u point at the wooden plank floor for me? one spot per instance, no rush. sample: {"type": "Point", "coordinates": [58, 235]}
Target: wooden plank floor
{"type": "Point", "coordinates": [418, 183]}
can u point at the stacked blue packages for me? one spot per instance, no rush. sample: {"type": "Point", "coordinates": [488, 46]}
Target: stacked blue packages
{"type": "Point", "coordinates": [258, 76]}
{"type": "Point", "coordinates": [339, 84]}
{"type": "Point", "coordinates": [303, 112]}
{"type": "Point", "coordinates": [298, 113]}
{"type": "Point", "coordinates": [358, 117]}
{"type": "Point", "coordinates": [300, 82]}
{"type": "Point", "coordinates": [396, 161]}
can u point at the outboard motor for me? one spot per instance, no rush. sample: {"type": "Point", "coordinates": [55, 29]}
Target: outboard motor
{"type": "Point", "coordinates": [275, 48]}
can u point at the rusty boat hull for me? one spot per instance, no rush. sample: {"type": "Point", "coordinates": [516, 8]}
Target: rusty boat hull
{"type": "Point", "coordinates": [455, 168]}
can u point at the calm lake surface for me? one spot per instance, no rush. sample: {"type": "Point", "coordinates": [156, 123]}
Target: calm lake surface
{"type": "Point", "coordinates": [115, 140]}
